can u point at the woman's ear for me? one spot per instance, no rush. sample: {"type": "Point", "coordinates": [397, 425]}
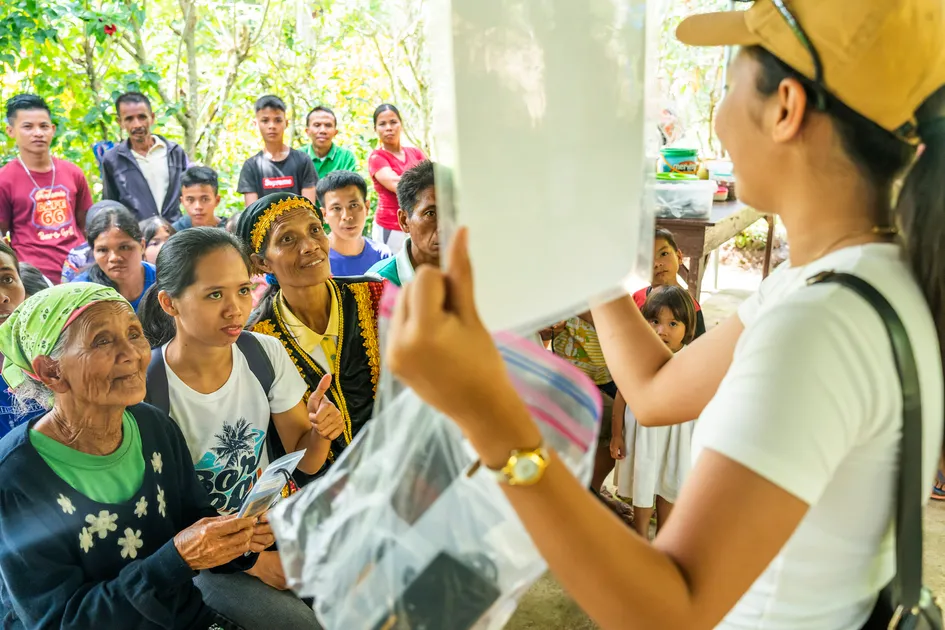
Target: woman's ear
{"type": "Point", "coordinates": [792, 108]}
{"type": "Point", "coordinates": [259, 263]}
{"type": "Point", "coordinates": [167, 303]}
{"type": "Point", "coordinates": [48, 373]}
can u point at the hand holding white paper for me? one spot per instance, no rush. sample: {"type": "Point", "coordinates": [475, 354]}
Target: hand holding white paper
{"type": "Point", "coordinates": [540, 124]}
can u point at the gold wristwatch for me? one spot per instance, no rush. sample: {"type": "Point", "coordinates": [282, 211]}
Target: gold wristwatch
{"type": "Point", "coordinates": [524, 467]}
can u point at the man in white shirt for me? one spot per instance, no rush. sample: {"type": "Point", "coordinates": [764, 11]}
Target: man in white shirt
{"type": "Point", "coordinates": [144, 172]}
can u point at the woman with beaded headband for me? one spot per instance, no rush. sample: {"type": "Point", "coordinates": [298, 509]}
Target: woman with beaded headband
{"type": "Point", "coordinates": [327, 325]}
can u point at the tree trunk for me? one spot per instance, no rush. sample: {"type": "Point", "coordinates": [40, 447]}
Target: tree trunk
{"type": "Point", "coordinates": [191, 109]}
{"type": "Point", "coordinates": [88, 50]}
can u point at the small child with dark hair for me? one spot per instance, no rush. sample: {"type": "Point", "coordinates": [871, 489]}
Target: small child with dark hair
{"type": "Point", "coordinates": [654, 461]}
{"type": "Point", "coordinates": [667, 258]}
{"type": "Point", "coordinates": [155, 231]}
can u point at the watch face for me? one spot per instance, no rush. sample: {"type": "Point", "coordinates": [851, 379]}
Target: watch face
{"type": "Point", "coordinates": [525, 468]}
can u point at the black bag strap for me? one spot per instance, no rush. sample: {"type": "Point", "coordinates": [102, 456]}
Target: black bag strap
{"type": "Point", "coordinates": [157, 387]}
{"type": "Point", "coordinates": [256, 357]}
{"type": "Point", "coordinates": [907, 585]}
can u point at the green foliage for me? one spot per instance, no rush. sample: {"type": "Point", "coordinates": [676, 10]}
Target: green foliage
{"type": "Point", "coordinates": [81, 54]}
{"type": "Point", "coordinates": [691, 79]}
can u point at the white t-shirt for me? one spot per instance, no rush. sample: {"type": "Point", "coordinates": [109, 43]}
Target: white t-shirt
{"type": "Point", "coordinates": [812, 402]}
{"type": "Point", "coordinates": [226, 430]}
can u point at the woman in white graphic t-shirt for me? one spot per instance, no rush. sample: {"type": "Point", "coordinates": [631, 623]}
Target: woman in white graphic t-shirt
{"type": "Point", "coordinates": [195, 313]}
{"type": "Point", "coordinates": [786, 520]}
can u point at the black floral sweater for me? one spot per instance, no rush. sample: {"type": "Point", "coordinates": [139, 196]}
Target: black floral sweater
{"type": "Point", "coordinates": [69, 562]}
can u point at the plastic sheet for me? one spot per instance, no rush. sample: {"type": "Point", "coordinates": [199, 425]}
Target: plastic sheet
{"type": "Point", "coordinates": [399, 535]}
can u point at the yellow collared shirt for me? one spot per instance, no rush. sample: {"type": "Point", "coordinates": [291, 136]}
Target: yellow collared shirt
{"type": "Point", "coordinates": [322, 347]}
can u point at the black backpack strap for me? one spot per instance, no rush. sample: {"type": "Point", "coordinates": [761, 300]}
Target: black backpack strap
{"type": "Point", "coordinates": [907, 585]}
{"type": "Point", "coordinates": [157, 392]}
{"type": "Point", "coordinates": [257, 359]}
{"type": "Point", "coordinates": [261, 367]}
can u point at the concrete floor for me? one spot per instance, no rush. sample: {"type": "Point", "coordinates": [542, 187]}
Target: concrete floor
{"type": "Point", "coordinates": [547, 607]}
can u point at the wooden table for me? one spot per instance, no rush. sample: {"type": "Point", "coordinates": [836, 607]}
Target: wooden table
{"type": "Point", "coordinates": [698, 238]}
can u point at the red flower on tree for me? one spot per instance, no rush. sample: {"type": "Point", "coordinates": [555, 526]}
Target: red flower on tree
{"type": "Point", "coordinates": [110, 29]}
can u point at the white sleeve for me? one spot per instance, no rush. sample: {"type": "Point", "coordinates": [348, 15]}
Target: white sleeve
{"type": "Point", "coordinates": [797, 398]}
{"type": "Point", "coordinates": [289, 387]}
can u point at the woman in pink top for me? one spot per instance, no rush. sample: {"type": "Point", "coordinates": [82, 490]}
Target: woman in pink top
{"type": "Point", "coordinates": [386, 165]}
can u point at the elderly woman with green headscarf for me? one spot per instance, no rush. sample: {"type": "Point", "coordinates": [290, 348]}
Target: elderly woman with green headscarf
{"type": "Point", "coordinates": [103, 523]}
{"type": "Point", "coordinates": [327, 325]}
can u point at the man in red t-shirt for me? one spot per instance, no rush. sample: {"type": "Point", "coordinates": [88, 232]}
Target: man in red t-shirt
{"type": "Point", "coordinates": [43, 200]}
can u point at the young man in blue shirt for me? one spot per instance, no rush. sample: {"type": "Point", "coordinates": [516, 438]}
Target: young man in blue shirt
{"type": "Point", "coordinates": [342, 195]}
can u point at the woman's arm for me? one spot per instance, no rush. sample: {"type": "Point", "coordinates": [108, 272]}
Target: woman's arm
{"type": "Point", "coordinates": [618, 440]}
{"type": "Point", "coordinates": [644, 369]}
{"type": "Point", "coordinates": [297, 432]}
{"type": "Point", "coordinates": [710, 552]}
{"type": "Point", "coordinates": [388, 178]}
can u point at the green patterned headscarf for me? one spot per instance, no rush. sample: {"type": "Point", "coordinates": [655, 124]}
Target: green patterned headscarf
{"type": "Point", "coordinates": [33, 329]}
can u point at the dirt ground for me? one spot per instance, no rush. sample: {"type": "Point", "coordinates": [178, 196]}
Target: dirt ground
{"type": "Point", "coordinates": [548, 607]}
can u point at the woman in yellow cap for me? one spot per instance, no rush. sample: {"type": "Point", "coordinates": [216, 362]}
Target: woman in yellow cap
{"type": "Point", "coordinates": [787, 519]}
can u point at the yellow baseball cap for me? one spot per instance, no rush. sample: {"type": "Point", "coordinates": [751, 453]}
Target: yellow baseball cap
{"type": "Point", "coordinates": [881, 58]}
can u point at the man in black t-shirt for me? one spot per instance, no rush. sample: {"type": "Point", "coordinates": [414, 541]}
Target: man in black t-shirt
{"type": "Point", "coordinates": [277, 168]}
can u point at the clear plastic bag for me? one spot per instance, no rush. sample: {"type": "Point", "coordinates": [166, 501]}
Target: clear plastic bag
{"type": "Point", "coordinates": [399, 535]}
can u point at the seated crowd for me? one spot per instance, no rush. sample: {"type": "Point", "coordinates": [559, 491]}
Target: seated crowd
{"type": "Point", "coordinates": [153, 369]}
{"type": "Point", "coordinates": [248, 338]}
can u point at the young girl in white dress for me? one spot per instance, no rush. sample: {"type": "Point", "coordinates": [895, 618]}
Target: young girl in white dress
{"type": "Point", "coordinates": [653, 461]}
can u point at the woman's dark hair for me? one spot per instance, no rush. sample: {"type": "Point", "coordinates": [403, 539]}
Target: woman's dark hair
{"type": "Point", "coordinates": [33, 279]}
{"type": "Point", "coordinates": [666, 235]}
{"type": "Point", "coordinates": [883, 159]}
{"type": "Point", "coordinates": [176, 270]}
{"type": "Point", "coordinates": [6, 249]}
{"type": "Point", "coordinates": [233, 222]}
{"type": "Point", "coordinates": [120, 218]}
{"type": "Point", "coordinates": [149, 227]}
{"type": "Point", "coordinates": [386, 107]}
{"type": "Point", "coordinates": [680, 304]}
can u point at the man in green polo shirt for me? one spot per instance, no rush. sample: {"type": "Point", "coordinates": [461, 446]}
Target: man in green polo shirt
{"type": "Point", "coordinates": [321, 127]}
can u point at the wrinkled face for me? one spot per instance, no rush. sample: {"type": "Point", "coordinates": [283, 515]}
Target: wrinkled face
{"type": "Point", "coordinates": [422, 227]}
{"type": "Point", "coordinates": [106, 356]}
{"type": "Point", "coordinates": [739, 125]}
{"type": "Point", "coordinates": [215, 308]}
{"type": "Point", "coordinates": [201, 203]}
{"type": "Point", "coordinates": [321, 130]}
{"type": "Point", "coordinates": [12, 292]}
{"type": "Point", "coordinates": [136, 120]}
{"type": "Point", "coordinates": [271, 124]}
{"type": "Point", "coordinates": [153, 247]}
{"type": "Point", "coordinates": [345, 213]}
{"type": "Point", "coordinates": [388, 127]}
{"type": "Point", "coordinates": [297, 253]}
{"type": "Point", "coordinates": [118, 255]}
{"type": "Point", "coordinates": [666, 261]}
{"type": "Point", "coordinates": [32, 130]}
{"type": "Point", "coordinates": [670, 330]}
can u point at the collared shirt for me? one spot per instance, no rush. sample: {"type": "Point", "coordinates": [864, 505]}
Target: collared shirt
{"type": "Point", "coordinates": [337, 159]}
{"type": "Point", "coordinates": [322, 347]}
{"type": "Point", "coordinates": [398, 270]}
{"type": "Point", "coordinates": [154, 167]}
